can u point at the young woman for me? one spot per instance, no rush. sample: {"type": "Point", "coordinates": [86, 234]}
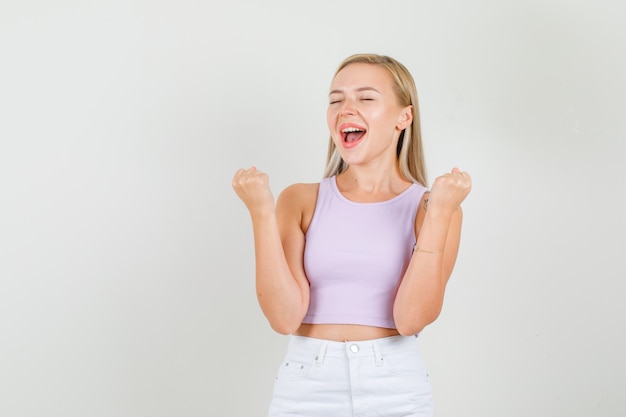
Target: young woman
{"type": "Point", "coordinates": [354, 267]}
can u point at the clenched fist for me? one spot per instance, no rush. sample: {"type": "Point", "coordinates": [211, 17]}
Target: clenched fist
{"type": "Point", "coordinates": [253, 188]}
{"type": "Point", "coordinates": [449, 191]}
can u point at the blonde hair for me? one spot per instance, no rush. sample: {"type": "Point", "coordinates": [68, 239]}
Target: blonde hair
{"type": "Point", "coordinates": [410, 152]}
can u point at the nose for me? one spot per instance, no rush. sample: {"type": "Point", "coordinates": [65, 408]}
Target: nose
{"type": "Point", "coordinates": [347, 109]}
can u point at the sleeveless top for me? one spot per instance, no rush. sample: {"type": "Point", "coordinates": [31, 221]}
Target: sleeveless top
{"type": "Point", "coordinates": [356, 254]}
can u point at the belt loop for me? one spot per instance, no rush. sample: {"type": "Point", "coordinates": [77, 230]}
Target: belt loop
{"type": "Point", "coordinates": [378, 357]}
{"type": "Point", "coordinates": [319, 359]}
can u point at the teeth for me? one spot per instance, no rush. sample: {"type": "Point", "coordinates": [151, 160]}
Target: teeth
{"type": "Point", "coordinates": [351, 129]}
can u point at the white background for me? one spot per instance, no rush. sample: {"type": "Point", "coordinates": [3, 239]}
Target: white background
{"type": "Point", "coordinates": [126, 261]}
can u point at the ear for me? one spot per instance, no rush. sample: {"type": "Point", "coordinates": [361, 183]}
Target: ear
{"type": "Point", "coordinates": [406, 118]}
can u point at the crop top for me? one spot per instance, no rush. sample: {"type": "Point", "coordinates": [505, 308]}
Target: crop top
{"type": "Point", "coordinates": [356, 254]}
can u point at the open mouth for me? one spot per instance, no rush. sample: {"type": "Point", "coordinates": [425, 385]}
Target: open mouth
{"type": "Point", "coordinates": [352, 134]}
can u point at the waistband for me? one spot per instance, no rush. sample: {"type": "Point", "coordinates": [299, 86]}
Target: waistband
{"type": "Point", "coordinates": [362, 348]}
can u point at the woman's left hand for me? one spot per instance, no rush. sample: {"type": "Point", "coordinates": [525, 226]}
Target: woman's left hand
{"type": "Point", "coordinates": [449, 191]}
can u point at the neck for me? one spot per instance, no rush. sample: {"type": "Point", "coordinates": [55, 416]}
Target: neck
{"type": "Point", "coordinates": [372, 180]}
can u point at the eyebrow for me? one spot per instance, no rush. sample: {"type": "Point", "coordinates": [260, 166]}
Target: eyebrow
{"type": "Point", "coordinates": [358, 90]}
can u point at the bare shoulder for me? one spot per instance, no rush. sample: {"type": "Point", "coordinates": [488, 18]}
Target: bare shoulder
{"type": "Point", "coordinates": [300, 192]}
{"type": "Point", "coordinates": [297, 202]}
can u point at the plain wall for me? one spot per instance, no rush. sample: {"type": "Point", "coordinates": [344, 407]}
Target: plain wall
{"type": "Point", "coordinates": [126, 260]}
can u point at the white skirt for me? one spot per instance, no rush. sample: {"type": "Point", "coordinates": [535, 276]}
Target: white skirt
{"type": "Point", "coordinates": [373, 378]}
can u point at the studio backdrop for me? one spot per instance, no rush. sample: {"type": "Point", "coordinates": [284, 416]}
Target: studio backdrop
{"type": "Point", "coordinates": [126, 260]}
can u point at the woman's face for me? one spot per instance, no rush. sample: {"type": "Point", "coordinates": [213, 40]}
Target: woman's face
{"type": "Point", "coordinates": [364, 116]}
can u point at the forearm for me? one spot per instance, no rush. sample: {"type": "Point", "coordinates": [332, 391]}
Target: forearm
{"type": "Point", "coordinates": [280, 295]}
{"type": "Point", "coordinates": [420, 296]}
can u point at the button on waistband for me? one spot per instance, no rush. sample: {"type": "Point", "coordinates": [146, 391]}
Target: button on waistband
{"type": "Point", "coordinates": [354, 348]}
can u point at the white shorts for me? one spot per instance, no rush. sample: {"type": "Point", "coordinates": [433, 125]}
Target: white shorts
{"type": "Point", "coordinates": [374, 378]}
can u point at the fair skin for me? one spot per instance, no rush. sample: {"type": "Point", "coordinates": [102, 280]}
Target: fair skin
{"type": "Point", "coordinates": [362, 99]}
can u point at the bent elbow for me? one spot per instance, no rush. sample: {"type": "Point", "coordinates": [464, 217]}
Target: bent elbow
{"type": "Point", "coordinates": [284, 330]}
{"type": "Point", "coordinates": [284, 327]}
{"type": "Point", "coordinates": [410, 326]}
{"type": "Point", "coordinates": [409, 329]}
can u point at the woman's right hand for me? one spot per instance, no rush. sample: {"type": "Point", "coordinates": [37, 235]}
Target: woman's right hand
{"type": "Point", "coordinates": [253, 188]}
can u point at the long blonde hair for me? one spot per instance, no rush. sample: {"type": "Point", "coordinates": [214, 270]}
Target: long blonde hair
{"type": "Point", "coordinates": [410, 152]}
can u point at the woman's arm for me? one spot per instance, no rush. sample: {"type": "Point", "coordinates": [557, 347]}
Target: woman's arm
{"type": "Point", "coordinates": [438, 229]}
{"type": "Point", "coordinates": [281, 285]}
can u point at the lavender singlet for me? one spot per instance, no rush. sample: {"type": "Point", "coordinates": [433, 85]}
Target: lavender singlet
{"type": "Point", "coordinates": [356, 254]}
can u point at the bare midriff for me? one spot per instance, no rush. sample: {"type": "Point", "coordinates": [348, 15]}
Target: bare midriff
{"type": "Point", "coordinates": [344, 332]}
